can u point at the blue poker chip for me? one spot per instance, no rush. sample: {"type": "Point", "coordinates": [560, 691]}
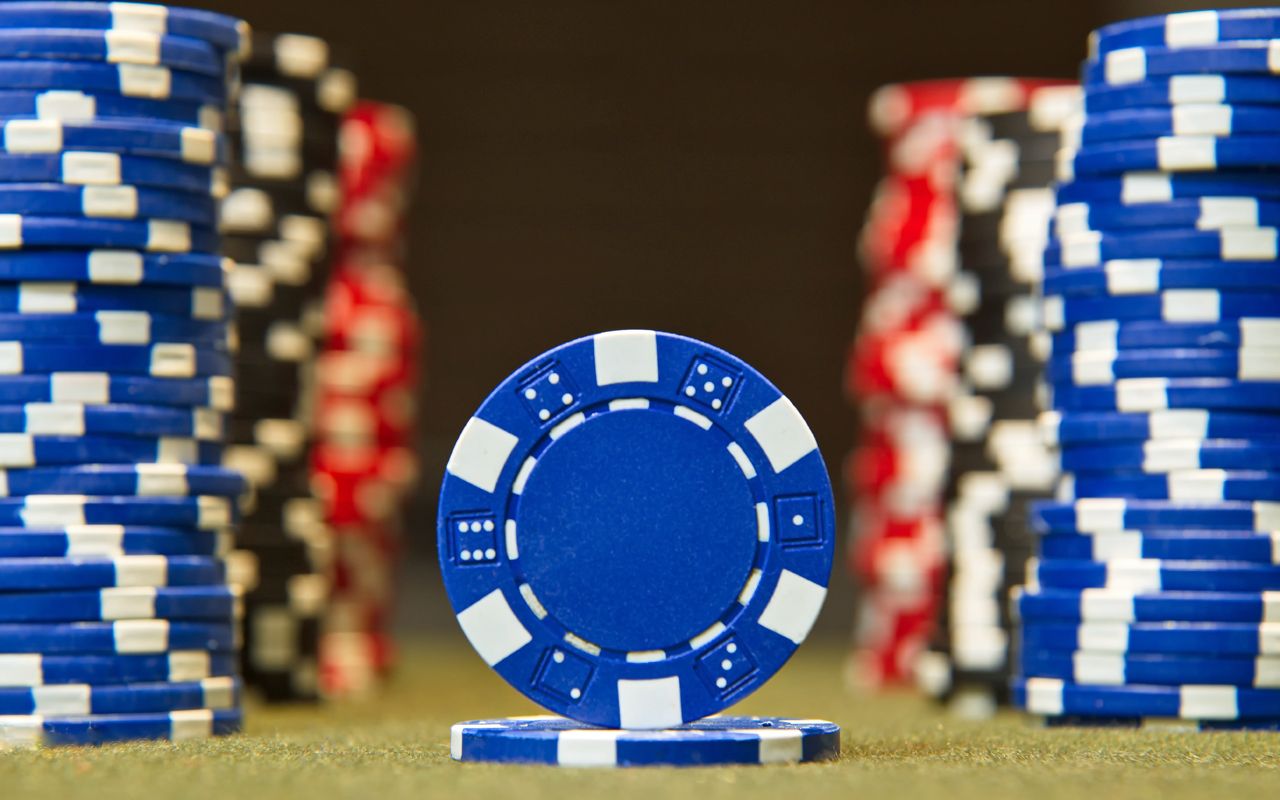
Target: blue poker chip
{"type": "Point", "coordinates": [73, 105]}
{"type": "Point", "coordinates": [1132, 64]}
{"type": "Point", "coordinates": [1137, 188]}
{"type": "Point", "coordinates": [1112, 515]}
{"type": "Point", "coordinates": [1154, 394]}
{"type": "Point", "coordinates": [214, 603]}
{"type": "Point", "coordinates": [702, 587]}
{"type": "Point", "coordinates": [130, 80]}
{"type": "Point", "coordinates": [1187, 28]}
{"type": "Point", "coordinates": [142, 698]}
{"type": "Point", "coordinates": [99, 729]}
{"type": "Point", "coordinates": [1119, 605]}
{"type": "Point", "coordinates": [143, 480]}
{"type": "Point", "coordinates": [1179, 305]}
{"type": "Point", "coordinates": [113, 328]}
{"type": "Point", "coordinates": [115, 267]}
{"type": "Point", "coordinates": [1200, 213]}
{"type": "Point", "coordinates": [91, 168]}
{"type": "Point", "coordinates": [206, 513]}
{"type": "Point", "coordinates": [1181, 90]}
{"type": "Point", "coordinates": [1249, 333]}
{"type": "Point", "coordinates": [1170, 154]}
{"type": "Point", "coordinates": [163, 360]}
{"type": "Point", "coordinates": [1108, 669]}
{"type": "Point", "coordinates": [114, 47]}
{"type": "Point", "coordinates": [1143, 276]}
{"type": "Point", "coordinates": [1181, 486]}
{"type": "Point", "coordinates": [1216, 119]}
{"type": "Point", "coordinates": [33, 669]}
{"type": "Point", "coordinates": [1170, 455]}
{"type": "Point", "coordinates": [1074, 427]}
{"type": "Point", "coordinates": [706, 742]}
{"type": "Point", "coordinates": [1092, 249]}
{"type": "Point", "coordinates": [28, 450]}
{"type": "Point", "coordinates": [1177, 545]}
{"type": "Point", "coordinates": [154, 235]}
{"type": "Point", "coordinates": [58, 574]}
{"type": "Point", "coordinates": [111, 541]}
{"type": "Point", "coordinates": [128, 637]}
{"type": "Point", "coordinates": [1155, 575]}
{"type": "Point", "coordinates": [107, 202]}
{"type": "Point", "coordinates": [224, 32]}
{"type": "Point", "coordinates": [47, 297]}
{"type": "Point", "coordinates": [1163, 725]}
{"type": "Point", "coordinates": [189, 144]}
{"type": "Point", "coordinates": [103, 388]}
{"type": "Point", "coordinates": [74, 419]}
{"type": "Point", "coordinates": [1102, 367]}
{"type": "Point", "coordinates": [1156, 638]}
{"type": "Point", "coordinates": [1053, 696]}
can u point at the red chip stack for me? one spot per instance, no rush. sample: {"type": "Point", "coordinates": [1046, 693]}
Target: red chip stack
{"type": "Point", "coordinates": [902, 367]}
{"type": "Point", "coordinates": [367, 377]}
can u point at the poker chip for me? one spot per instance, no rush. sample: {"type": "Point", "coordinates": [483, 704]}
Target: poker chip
{"type": "Point", "coordinates": [1091, 248]}
{"type": "Point", "coordinates": [48, 297]}
{"type": "Point", "coordinates": [130, 80]}
{"type": "Point", "coordinates": [177, 666]}
{"type": "Point", "coordinates": [1059, 428]}
{"type": "Point", "coordinates": [98, 388]}
{"type": "Point", "coordinates": [67, 419]}
{"type": "Point", "coordinates": [1124, 606]}
{"type": "Point", "coordinates": [111, 329]}
{"type": "Point", "coordinates": [1098, 669]}
{"type": "Point", "coordinates": [1154, 638]}
{"type": "Point", "coordinates": [164, 360]}
{"type": "Point", "coordinates": [1198, 119]}
{"type": "Point", "coordinates": [142, 698]}
{"type": "Point", "coordinates": [1154, 394]}
{"type": "Point", "coordinates": [1125, 277]}
{"type": "Point", "coordinates": [1189, 305]}
{"type": "Point", "coordinates": [1053, 696]}
{"type": "Point", "coordinates": [107, 202]}
{"type": "Point", "coordinates": [26, 450]}
{"type": "Point", "coordinates": [1110, 515]}
{"type": "Point", "coordinates": [1185, 29]}
{"type": "Point", "coordinates": [708, 742]}
{"type": "Point", "coordinates": [93, 168]}
{"type": "Point", "coordinates": [1102, 367]}
{"type": "Point", "coordinates": [109, 541]}
{"type": "Point", "coordinates": [1248, 333]}
{"type": "Point", "coordinates": [1181, 486]}
{"type": "Point", "coordinates": [1202, 213]}
{"type": "Point", "coordinates": [112, 46]}
{"type": "Point", "coordinates": [78, 106]}
{"type": "Point", "coordinates": [177, 726]}
{"type": "Point", "coordinates": [1136, 188]}
{"type": "Point", "coordinates": [123, 267]}
{"type": "Point", "coordinates": [1152, 574]}
{"type": "Point", "coordinates": [746, 599]}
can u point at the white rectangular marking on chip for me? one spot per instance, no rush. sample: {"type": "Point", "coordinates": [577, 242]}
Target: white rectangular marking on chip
{"type": "Point", "coordinates": [1208, 702]}
{"type": "Point", "coordinates": [493, 628]}
{"type": "Point", "coordinates": [1167, 455]}
{"type": "Point", "coordinates": [1259, 332]}
{"type": "Point", "coordinates": [1273, 56]}
{"type": "Point", "coordinates": [189, 665]}
{"type": "Point", "coordinates": [1259, 365]}
{"type": "Point", "coordinates": [173, 360]}
{"type": "Point", "coordinates": [1185, 89]}
{"type": "Point", "coordinates": [61, 700]}
{"type": "Point", "coordinates": [565, 425]}
{"type": "Point", "coordinates": [133, 602]}
{"type": "Point", "coordinates": [54, 297]}
{"type": "Point", "coordinates": [132, 47]}
{"type": "Point", "coordinates": [706, 636]}
{"type": "Point", "coordinates": [1082, 250]}
{"type": "Point", "coordinates": [1191, 305]}
{"type": "Point", "coordinates": [54, 419]}
{"type": "Point", "coordinates": [513, 546]}
{"type": "Point", "coordinates": [522, 475]}
{"type": "Point", "coordinates": [1134, 575]}
{"type": "Point", "coordinates": [144, 17]}
{"type": "Point", "coordinates": [1099, 335]}
{"type": "Point", "coordinates": [124, 327]}
{"type": "Point", "coordinates": [199, 146]}
{"type": "Point", "coordinates": [206, 303]}
{"type": "Point", "coordinates": [782, 433]}
{"type": "Point", "coordinates": [1197, 485]}
{"type": "Point", "coordinates": [762, 522]}
{"type": "Point", "coordinates": [141, 80]}
{"type": "Point", "coordinates": [1248, 244]}
{"type": "Point", "coordinates": [1202, 120]}
{"type": "Point", "coordinates": [169, 236]}
{"type": "Point", "coordinates": [1146, 187]}
{"type": "Point", "coordinates": [66, 105]}
{"type": "Point", "coordinates": [141, 636]}
{"type": "Point", "coordinates": [191, 724]}
{"type": "Point", "coordinates": [1269, 639]}
{"type": "Point", "coordinates": [1227, 212]}
{"type": "Point", "coordinates": [1187, 423]}
{"type": "Point", "coordinates": [749, 587]}
{"type": "Point", "coordinates": [141, 571]}
{"type": "Point", "coordinates": [645, 656]}
{"type": "Point", "coordinates": [1109, 546]}
{"type": "Point", "coordinates": [1053, 313]}
{"type": "Point", "coordinates": [590, 748]}
{"type": "Point", "coordinates": [21, 670]}
{"type": "Point", "coordinates": [1266, 672]}
{"type": "Point", "coordinates": [1100, 514]}
{"type": "Point", "coordinates": [1044, 696]}
{"type": "Point", "coordinates": [32, 136]}
{"type": "Point", "coordinates": [481, 453]}
{"type": "Point", "coordinates": [1180, 153]}
{"type": "Point", "coordinates": [1134, 276]}
{"type": "Point", "coordinates": [626, 357]}
{"type": "Point", "coordinates": [649, 703]}
{"type": "Point", "coordinates": [218, 692]}
{"type": "Point", "coordinates": [91, 168]}
{"type": "Point", "coordinates": [577, 641]}
{"type": "Point", "coordinates": [779, 746]}
{"type": "Point", "coordinates": [17, 450]}
{"type": "Point", "coordinates": [115, 266]}
{"type": "Point", "coordinates": [740, 456]}
{"type": "Point", "coordinates": [794, 606]}
{"type": "Point", "coordinates": [1191, 28]}
{"type": "Point", "coordinates": [1103, 637]}
{"type": "Point", "coordinates": [162, 480]}
{"type": "Point", "coordinates": [693, 416]}
{"type": "Point", "coordinates": [1106, 669]}
{"type": "Point", "coordinates": [1142, 394]}
{"type": "Point", "coordinates": [629, 404]}
{"type": "Point", "coordinates": [1108, 605]}
{"type": "Point", "coordinates": [102, 541]}
{"type": "Point", "coordinates": [11, 358]}
{"type": "Point", "coordinates": [1127, 65]}
{"type": "Point", "coordinates": [53, 511]}
{"type": "Point", "coordinates": [1266, 516]}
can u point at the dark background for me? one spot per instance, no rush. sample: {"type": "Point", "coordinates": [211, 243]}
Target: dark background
{"type": "Point", "coordinates": [698, 167]}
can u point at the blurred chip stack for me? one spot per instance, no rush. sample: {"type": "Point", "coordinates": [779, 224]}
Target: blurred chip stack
{"type": "Point", "coordinates": [276, 222]}
{"type": "Point", "coordinates": [997, 462]}
{"type": "Point", "coordinates": [364, 459]}
{"type": "Point", "coordinates": [903, 366]}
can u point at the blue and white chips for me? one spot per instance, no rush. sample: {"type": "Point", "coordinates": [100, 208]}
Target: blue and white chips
{"type": "Point", "coordinates": [636, 529]}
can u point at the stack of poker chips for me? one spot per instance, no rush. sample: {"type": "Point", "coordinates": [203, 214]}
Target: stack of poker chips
{"type": "Point", "coordinates": [284, 133]}
{"type": "Point", "coordinates": [636, 530]}
{"type": "Point", "coordinates": [997, 461]}
{"type": "Point", "coordinates": [116, 619]}
{"type": "Point", "coordinates": [1152, 594]}
{"type": "Point", "coordinates": [363, 459]}
{"type": "Point", "coordinates": [903, 366]}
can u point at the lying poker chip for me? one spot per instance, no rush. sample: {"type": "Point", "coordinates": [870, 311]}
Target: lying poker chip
{"type": "Point", "coordinates": [53, 574]}
{"type": "Point", "coordinates": [1104, 367]}
{"type": "Point", "coordinates": [1133, 64]}
{"type": "Point", "coordinates": [113, 328]}
{"type": "Point", "coordinates": [163, 360]}
{"type": "Point", "coordinates": [1120, 605]}
{"type": "Point", "coordinates": [1058, 428]}
{"type": "Point", "coordinates": [102, 388]}
{"type": "Point", "coordinates": [1199, 119]}
{"type": "Point", "coordinates": [1153, 394]}
{"type": "Point", "coordinates": [118, 267]}
{"type": "Point", "coordinates": [1178, 305]}
{"type": "Point", "coordinates": [1137, 188]}
{"type": "Point", "coordinates": [716, 740]}
{"type": "Point", "coordinates": [1251, 333]}
{"type": "Point", "coordinates": [217, 603]}
{"type": "Point", "coordinates": [1175, 545]}
{"type": "Point", "coordinates": [1169, 154]}
{"type": "Point", "coordinates": [85, 168]}
{"type": "Point", "coordinates": [142, 698]}
{"type": "Point", "coordinates": [224, 32]}
{"type": "Point", "coordinates": [738, 560]}
{"type": "Point", "coordinates": [72, 105]}
{"type": "Point", "coordinates": [177, 726]}
{"type": "Point", "coordinates": [1106, 669]}
{"type": "Point", "coordinates": [1200, 213]}
{"type": "Point", "coordinates": [1182, 486]}
{"type": "Point", "coordinates": [189, 144]}
{"type": "Point", "coordinates": [1186, 29]}
{"type": "Point", "coordinates": [1155, 575]}
{"type": "Point", "coordinates": [1170, 455]}
{"type": "Point", "coordinates": [74, 419]}
{"type": "Point", "coordinates": [178, 666]}
{"type": "Point", "coordinates": [113, 46]}
{"type": "Point", "coordinates": [50, 297]}
{"type": "Point", "coordinates": [28, 450]}
{"type": "Point", "coordinates": [106, 202]}
{"type": "Point", "coordinates": [201, 512]}
{"type": "Point", "coordinates": [1156, 638]}
{"type": "Point", "coordinates": [130, 80]}
{"type": "Point", "coordinates": [1092, 249]}
{"type": "Point", "coordinates": [157, 235]}
{"type": "Point", "coordinates": [1053, 696]}
{"type": "Point", "coordinates": [1163, 725]}
{"type": "Point", "coordinates": [143, 480]}
{"type": "Point", "coordinates": [1107, 515]}
{"type": "Point", "coordinates": [1142, 276]}
{"type": "Point", "coordinates": [110, 541]}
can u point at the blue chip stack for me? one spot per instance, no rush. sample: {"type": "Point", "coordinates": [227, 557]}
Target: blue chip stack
{"type": "Point", "coordinates": [116, 619]}
{"type": "Point", "coordinates": [1153, 595]}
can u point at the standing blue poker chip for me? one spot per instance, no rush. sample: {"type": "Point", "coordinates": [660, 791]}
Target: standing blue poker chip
{"type": "Point", "coordinates": [636, 529]}
{"type": "Point", "coordinates": [67, 419]}
{"type": "Point", "coordinates": [1093, 249]}
{"type": "Point", "coordinates": [143, 480]}
{"type": "Point", "coordinates": [206, 513]}
{"type": "Point", "coordinates": [1182, 90]}
{"type": "Point", "coordinates": [176, 666]}
{"type": "Point", "coordinates": [1202, 213]}
{"type": "Point", "coordinates": [1125, 605]}
{"type": "Point", "coordinates": [38, 297]}
{"type": "Point", "coordinates": [153, 235]}
{"type": "Point", "coordinates": [1172, 545]}
{"type": "Point", "coordinates": [162, 360]}
{"type": "Point", "coordinates": [1170, 154]}
{"type": "Point", "coordinates": [708, 742]}
{"type": "Point", "coordinates": [224, 32]}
